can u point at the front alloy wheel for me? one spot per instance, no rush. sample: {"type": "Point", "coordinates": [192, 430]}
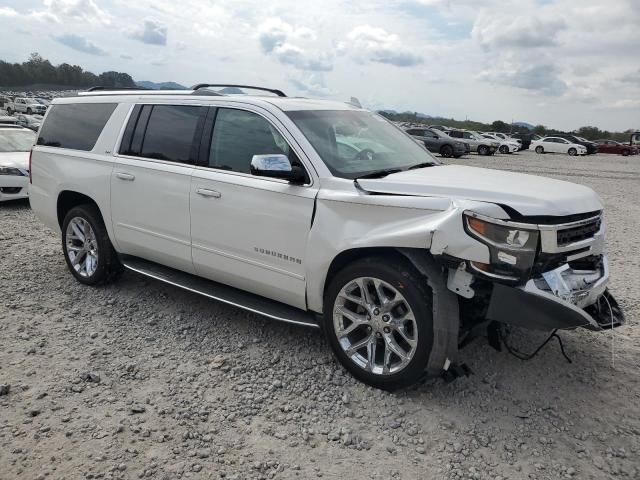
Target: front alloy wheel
{"type": "Point", "coordinates": [375, 326]}
{"type": "Point", "coordinates": [378, 319]}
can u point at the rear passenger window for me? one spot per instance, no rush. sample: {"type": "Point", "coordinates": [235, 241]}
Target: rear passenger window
{"type": "Point", "coordinates": [75, 126]}
{"type": "Point", "coordinates": [238, 135]}
{"type": "Point", "coordinates": [165, 132]}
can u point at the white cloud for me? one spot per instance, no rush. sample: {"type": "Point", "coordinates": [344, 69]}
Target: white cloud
{"type": "Point", "coordinates": [151, 33]}
{"type": "Point", "coordinates": [80, 44]}
{"type": "Point", "coordinates": [377, 45]}
{"type": "Point", "coordinates": [8, 12]}
{"type": "Point", "coordinates": [85, 10]}
{"type": "Point", "coordinates": [543, 78]}
{"type": "Point", "coordinates": [505, 30]}
{"type": "Point", "coordinates": [281, 39]}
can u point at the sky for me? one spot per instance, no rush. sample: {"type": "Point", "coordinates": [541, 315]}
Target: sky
{"type": "Point", "coordinates": [560, 63]}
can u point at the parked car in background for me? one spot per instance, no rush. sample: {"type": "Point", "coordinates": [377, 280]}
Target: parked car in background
{"type": "Point", "coordinates": [15, 147]}
{"type": "Point", "coordinates": [4, 101]}
{"type": "Point", "coordinates": [442, 128]}
{"type": "Point", "coordinates": [32, 122]}
{"type": "Point", "coordinates": [25, 105]}
{"type": "Point", "coordinates": [611, 146]}
{"type": "Point", "coordinates": [525, 138]}
{"type": "Point", "coordinates": [506, 145]}
{"type": "Point", "coordinates": [504, 136]}
{"type": "Point", "coordinates": [436, 141]}
{"type": "Point", "coordinates": [7, 120]}
{"type": "Point", "coordinates": [591, 147]}
{"type": "Point", "coordinates": [558, 145]}
{"type": "Point", "coordinates": [635, 139]}
{"type": "Point", "coordinates": [478, 143]}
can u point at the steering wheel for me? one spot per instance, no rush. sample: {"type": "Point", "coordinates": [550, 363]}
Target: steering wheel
{"type": "Point", "coordinates": [366, 154]}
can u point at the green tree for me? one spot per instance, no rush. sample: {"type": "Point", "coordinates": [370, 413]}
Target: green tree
{"type": "Point", "coordinates": [539, 129]}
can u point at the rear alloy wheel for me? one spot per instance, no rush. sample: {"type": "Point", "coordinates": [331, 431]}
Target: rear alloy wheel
{"type": "Point", "coordinates": [483, 150]}
{"type": "Point", "coordinates": [504, 149]}
{"type": "Point", "coordinates": [446, 151]}
{"type": "Point", "coordinates": [9, 111]}
{"type": "Point", "coordinates": [625, 153]}
{"type": "Point", "coordinates": [29, 111]}
{"type": "Point", "coordinates": [87, 248]}
{"type": "Point", "coordinates": [378, 321]}
{"type": "Point", "coordinates": [539, 149]}
{"type": "Point", "coordinates": [573, 152]}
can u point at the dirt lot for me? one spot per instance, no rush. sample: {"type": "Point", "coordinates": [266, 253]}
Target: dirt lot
{"type": "Point", "coordinates": [140, 379]}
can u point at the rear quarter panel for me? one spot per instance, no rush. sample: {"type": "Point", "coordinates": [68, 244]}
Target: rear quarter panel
{"type": "Point", "coordinates": [55, 170]}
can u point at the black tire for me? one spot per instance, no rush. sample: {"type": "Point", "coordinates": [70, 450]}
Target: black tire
{"type": "Point", "coordinates": [572, 151]}
{"type": "Point", "coordinates": [504, 149]}
{"type": "Point", "coordinates": [446, 151]}
{"type": "Point", "coordinates": [9, 111]}
{"type": "Point", "coordinates": [108, 264]}
{"type": "Point", "coordinates": [539, 149]}
{"type": "Point", "coordinates": [625, 153]}
{"type": "Point", "coordinates": [29, 111]}
{"type": "Point", "coordinates": [401, 275]}
{"type": "Point", "coordinates": [483, 150]}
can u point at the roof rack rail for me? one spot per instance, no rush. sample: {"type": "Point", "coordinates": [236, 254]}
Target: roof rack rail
{"type": "Point", "coordinates": [277, 92]}
{"type": "Point", "coordinates": [101, 88]}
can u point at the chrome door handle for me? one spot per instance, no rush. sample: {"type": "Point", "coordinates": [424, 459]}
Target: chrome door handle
{"type": "Point", "coordinates": [125, 176]}
{"type": "Point", "coordinates": [205, 192]}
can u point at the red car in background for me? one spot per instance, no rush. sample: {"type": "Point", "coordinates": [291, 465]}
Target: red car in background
{"type": "Point", "coordinates": [611, 146]}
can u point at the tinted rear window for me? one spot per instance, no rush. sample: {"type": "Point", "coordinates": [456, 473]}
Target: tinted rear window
{"type": "Point", "coordinates": [165, 132]}
{"type": "Point", "coordinates": [75, 126]}
{"type": "Point", "coordinates": [170, 132]}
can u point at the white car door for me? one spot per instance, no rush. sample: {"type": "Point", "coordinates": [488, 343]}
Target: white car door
{"type": "Point", "coordinates": [551, 145]}
{"type": "Point", "coordinates": [151, 180]}
{"type": "Point", "coordinates": [250, 232]}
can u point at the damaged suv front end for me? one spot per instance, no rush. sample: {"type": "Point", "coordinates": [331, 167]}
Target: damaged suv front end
{"type": "Point", "coordinates": [543, 273]}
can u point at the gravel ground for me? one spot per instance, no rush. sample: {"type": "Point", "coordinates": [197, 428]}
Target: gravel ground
{"type": "Point", "coordinates": [139, 379]}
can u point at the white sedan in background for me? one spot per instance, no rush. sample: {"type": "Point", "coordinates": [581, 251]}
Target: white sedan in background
{"type": "Point", "coordinates": [558, 145]}
{"type": "Point", "coordinates": [15, 146]}
{"type": "Point", "coordinates": [507, 145]}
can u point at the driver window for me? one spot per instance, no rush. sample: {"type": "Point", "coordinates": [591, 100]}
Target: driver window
{"type": "Point", "coordinates": [238, 135]}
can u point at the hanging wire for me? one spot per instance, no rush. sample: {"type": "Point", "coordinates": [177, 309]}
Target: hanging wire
{"type": "Point", "coordinates": [525, 356]}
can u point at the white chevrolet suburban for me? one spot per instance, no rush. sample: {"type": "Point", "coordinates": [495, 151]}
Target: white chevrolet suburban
{"type": "Point", "coordinates": [317, 213]}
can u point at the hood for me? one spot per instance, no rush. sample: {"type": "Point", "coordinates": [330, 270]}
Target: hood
{"type": "Point", "coordinates": [15, 159]}
{"type": "Point", "coordinates": [528, 194]}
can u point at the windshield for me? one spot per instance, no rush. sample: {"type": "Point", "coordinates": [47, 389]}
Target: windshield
{"type": "Point", "coordinates": [357, 143]}
{"type": "Point", "coordinates": [16, 140]}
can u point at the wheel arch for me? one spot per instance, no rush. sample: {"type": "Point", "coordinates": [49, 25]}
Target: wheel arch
{"type": "Point", "coordinates": [446, 314]}
{"type": "Point", "coordinates": [68, 199]}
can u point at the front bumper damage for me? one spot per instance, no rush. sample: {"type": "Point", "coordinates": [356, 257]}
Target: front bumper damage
{"type": "Point", "coordinates": [567, 286]}
{"type": "Point", "coordinates": [563, 298]}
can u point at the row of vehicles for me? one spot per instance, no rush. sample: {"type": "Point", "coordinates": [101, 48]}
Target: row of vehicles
{"type": "Point", "coordinates": [455, 143]}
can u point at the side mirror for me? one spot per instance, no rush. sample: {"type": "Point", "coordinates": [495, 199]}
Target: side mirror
{"type": "Point", "coordinates": [276, 166]}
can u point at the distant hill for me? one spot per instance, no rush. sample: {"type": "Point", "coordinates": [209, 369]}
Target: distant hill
{"type": "Point", "coordinates": [160, 85]}
{"type": "Point", "coordinates": [524, 124]}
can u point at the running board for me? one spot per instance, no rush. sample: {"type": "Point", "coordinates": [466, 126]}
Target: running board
{"type": "Point", "coordinates": [222, 293]}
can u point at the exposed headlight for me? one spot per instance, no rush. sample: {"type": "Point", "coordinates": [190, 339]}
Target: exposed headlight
{"type": "Point", "coordinates": [10, 171]}
{"type": "Point", "coordinates": [512, 246]}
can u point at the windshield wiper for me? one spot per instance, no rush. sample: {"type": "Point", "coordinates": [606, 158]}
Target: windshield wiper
{"type": "Point", "coordinates": [421, 165]}
{"type": "Point", "coordinates": [379, 173]}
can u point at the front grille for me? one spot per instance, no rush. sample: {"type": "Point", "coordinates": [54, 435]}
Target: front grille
{"type": "Point", "coordinates": [579, 233]}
